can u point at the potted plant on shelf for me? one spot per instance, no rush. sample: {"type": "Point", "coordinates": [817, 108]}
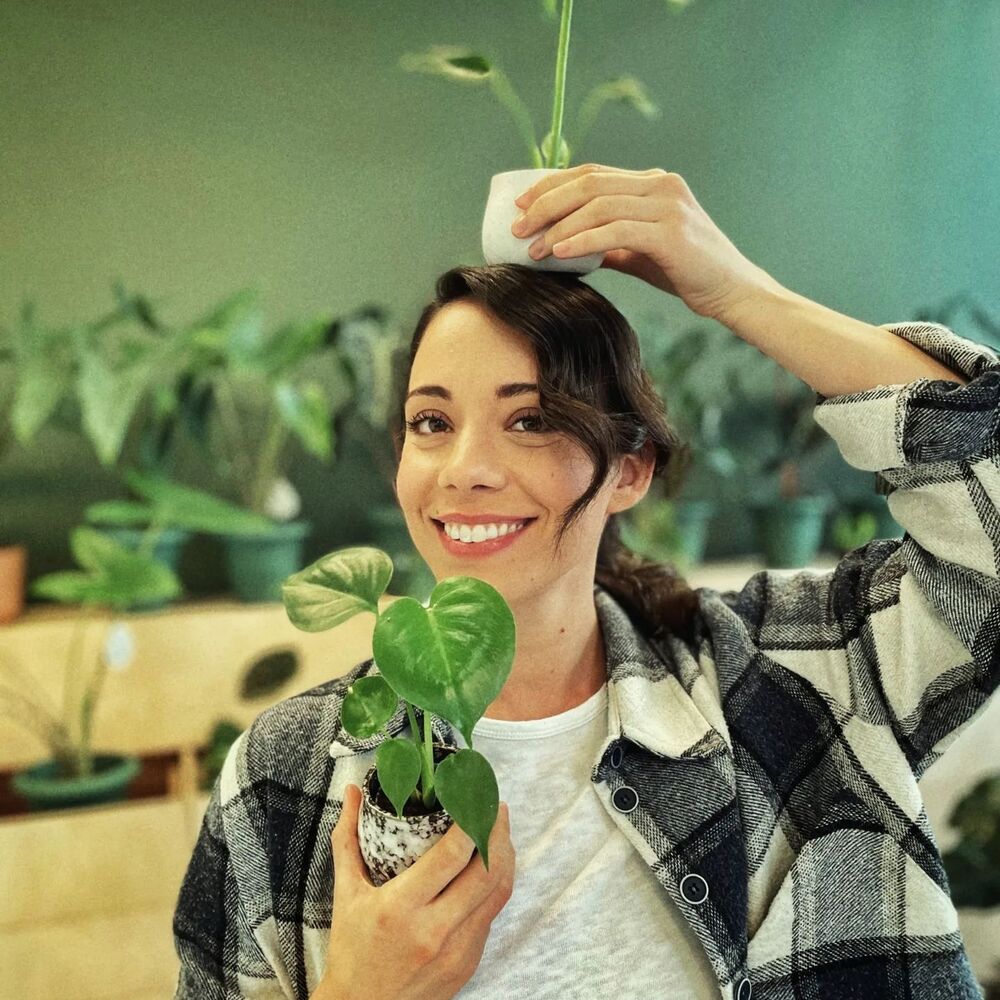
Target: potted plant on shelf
{"type": "Point", "coordinates": [553, 153]}
{"type": "Point", "coordinates": [694, 375]}
{"type": "Point", "coordinates": [245, 395]}
{"type": "Point", "coordinates": [113, 579]}
{"type": "Point", "coordinates": [170, 514]}
{"type": "Point", "coordinates": [451, 658]}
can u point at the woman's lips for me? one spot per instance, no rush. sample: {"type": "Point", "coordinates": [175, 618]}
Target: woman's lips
{"type": "Point", "coordinates": [474, 549]}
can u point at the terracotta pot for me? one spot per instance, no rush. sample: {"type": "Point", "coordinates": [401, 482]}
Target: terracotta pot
{"type": "Point", "coordinates": [390, 844]}
{"type": "Point", "coordinates": [501, 246]}
{"type": "Point", "coordinates": [13, 569]}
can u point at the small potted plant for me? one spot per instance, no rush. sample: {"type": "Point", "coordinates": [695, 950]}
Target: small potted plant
{"type": "Point", "coordinates": [553, 153]}
{"type": "Point", "coordinates": [113, 579]}
{"type": "Point", "coordinates": [160, 525]}
{"type": "Point", "coordinates": [694, 375]}
{"type": "Point", "coordinates": [450, 657]}
{"type": "Point", "coordinates": [247, 395]}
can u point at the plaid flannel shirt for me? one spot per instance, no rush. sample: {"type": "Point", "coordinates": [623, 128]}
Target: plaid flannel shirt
{"type": "Point", "coordinates": [776, 756]}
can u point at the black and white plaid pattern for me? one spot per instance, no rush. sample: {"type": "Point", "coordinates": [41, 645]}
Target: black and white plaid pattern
{"type": "Point", "coordinates": [776, 756]}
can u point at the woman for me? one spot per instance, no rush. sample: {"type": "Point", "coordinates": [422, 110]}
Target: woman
{"type": "Point", "coordinates": [710, 795]}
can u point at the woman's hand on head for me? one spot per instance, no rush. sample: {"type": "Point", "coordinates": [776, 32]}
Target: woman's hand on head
{"type": "Point", "coordinates": [648, 224]}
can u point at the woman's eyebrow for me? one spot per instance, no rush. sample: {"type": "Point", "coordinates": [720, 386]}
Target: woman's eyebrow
{"type": "Point", "coordinates": [505, 391]}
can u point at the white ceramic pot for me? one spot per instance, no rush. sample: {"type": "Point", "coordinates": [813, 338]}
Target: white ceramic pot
{"type": "Point", "coordinates": [390, 844]}
{"type": "Point", "coordinates": [501, 246]}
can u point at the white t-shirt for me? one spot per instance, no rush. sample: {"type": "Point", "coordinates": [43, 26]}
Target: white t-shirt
{"type": "Point", "coordinates": [587, 914]}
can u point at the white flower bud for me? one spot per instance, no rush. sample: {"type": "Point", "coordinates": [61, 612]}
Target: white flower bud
{"type": "Point", "coordinates": [283, 502]}
{"type": "Point", "coordinates": [119, 646]}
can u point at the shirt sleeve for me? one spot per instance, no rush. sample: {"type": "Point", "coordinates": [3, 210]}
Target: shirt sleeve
{"type": "Point", "coordinates": [903, 632]}
{"type": "Point", "coordinates": [213, 936]}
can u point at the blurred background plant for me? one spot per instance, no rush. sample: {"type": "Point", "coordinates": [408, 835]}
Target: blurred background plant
{"type": "Point", "coordinates": [112, 578]}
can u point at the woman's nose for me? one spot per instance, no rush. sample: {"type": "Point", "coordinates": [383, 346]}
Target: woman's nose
{"type": "Point", "coordinates": [471, 459]}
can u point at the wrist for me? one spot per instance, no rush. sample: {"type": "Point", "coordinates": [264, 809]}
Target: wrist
{"type": "Point", "coordinates": [754, 304]}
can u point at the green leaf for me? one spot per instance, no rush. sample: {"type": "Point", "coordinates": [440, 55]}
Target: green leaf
{"type": "Point", "coordinates": [268, 674]}
{"type": "Point", "coordinates": [336, 587]}
{"type": "Point", "coordinates": [119, 513]}
{"type": "Point", "coordinates": [368, 706]}
{"type": "Point", "coordinates": [119, 577]}
{"type": "Point", "coordinates": [551, 9]}
{"type": "Point", "coordinates": [452, 61]}
{"type": "Point", "coordinates": [451, 658]}
{"type": "Point", "coordinates": [306, 412]}
{"type": "Point", "coordinates": [109, 396]}
{"type": "Point", "coordinates": [183, 507]}
{"type": "Point", "coordinates": [287, 347]}
{"type": "Point", "coordinates": [70, 587]}
{"type": "Point", "coordinates": [466, 786]}
{"type": "Point", "coordinates": [398, 763]}
{"type": "Point", "coordinates": [41, 386]}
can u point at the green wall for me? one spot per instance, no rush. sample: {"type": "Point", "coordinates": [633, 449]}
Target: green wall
{"type": "Point", "coordinates": [191, 149]}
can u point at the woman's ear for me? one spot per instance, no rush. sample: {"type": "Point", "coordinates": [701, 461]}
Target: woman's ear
{"type": "Point", "coordinates": [634, 476]}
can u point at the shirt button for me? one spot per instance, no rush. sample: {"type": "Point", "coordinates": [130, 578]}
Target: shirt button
{"type": "Point", "coordinates": [616, 757]}
{"type": "Point", "coordinates": [694, 889]}
{"type": "Point", "coordinates": [624, 799]}
{"type": "Point", "coordinates": [743, 993]}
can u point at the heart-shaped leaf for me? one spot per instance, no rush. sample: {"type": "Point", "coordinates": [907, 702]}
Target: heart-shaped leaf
{"type": "Point", "coordinates": [336, 588]}
{"type": "Point", "coordinates": [451, 658]}
{"type": "Point", "coordinates": [467, 788]}
{"type": "Point", "coordinates": [368, 706]}
{"type": "Point", "coordinates": [398, 764]}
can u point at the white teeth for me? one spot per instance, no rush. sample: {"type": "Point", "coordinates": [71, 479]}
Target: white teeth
{"type": "Point", "coordinates": [480, 532]}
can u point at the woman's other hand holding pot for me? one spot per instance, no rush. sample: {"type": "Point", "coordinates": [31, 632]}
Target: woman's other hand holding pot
{"type": "Point", "coordinates": [648, 224]}
{"type": "Point", "coordinates": [420, 936]}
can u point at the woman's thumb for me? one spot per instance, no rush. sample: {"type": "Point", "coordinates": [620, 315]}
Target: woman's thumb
{"type": "Point", "coordinates": [346, 850]}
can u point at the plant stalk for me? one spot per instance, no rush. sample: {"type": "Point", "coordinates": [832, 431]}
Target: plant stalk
{"type": "Point", "coordinates": [559, 101]}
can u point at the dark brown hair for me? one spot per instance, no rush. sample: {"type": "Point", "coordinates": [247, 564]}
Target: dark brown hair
{"type": "Point", "coordinates": [593, 388]}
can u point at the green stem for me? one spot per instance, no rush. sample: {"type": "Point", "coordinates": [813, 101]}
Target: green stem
{"type": "Point", "coordinates": [268, 461]}
{"type": "Point", "coordinates": [505, 93]}
{"type": "Point", "coordinates": [560, 88]}
{"type": "Point", "coordinates": [229, 420]}
{"type": "Point", "coordinates": [48, 729]}
{"type": "Point", "coordinates": [426, 758]}
{"type": "Point", "coordinates": [75, 660]}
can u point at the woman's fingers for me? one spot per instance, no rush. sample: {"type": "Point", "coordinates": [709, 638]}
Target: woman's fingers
{"type": "Point", "coordinates": [605, 223]}
{"type": "Point", "coordinates": [552, 181]}
{"type": "Point", "coordinates": [558, 201]}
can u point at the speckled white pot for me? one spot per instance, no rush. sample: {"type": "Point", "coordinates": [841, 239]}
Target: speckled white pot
{"type": "Point", "coordinates": [390, 844]}
{"type": "Point", "coordinates": [501, 246]}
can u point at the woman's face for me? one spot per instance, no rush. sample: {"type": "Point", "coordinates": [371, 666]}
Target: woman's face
{"type": "Point", "coordinates": [473, 453]}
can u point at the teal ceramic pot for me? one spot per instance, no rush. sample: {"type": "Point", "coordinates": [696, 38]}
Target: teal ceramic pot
{"type": "Point", "coordinates": [790, 531]}
{"type": "Point", "coordinates": [45, 790]}
{"type": "Point", "coordinates": [258, 564]}
{"type": "Point", "coordinates": [167, 551]}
